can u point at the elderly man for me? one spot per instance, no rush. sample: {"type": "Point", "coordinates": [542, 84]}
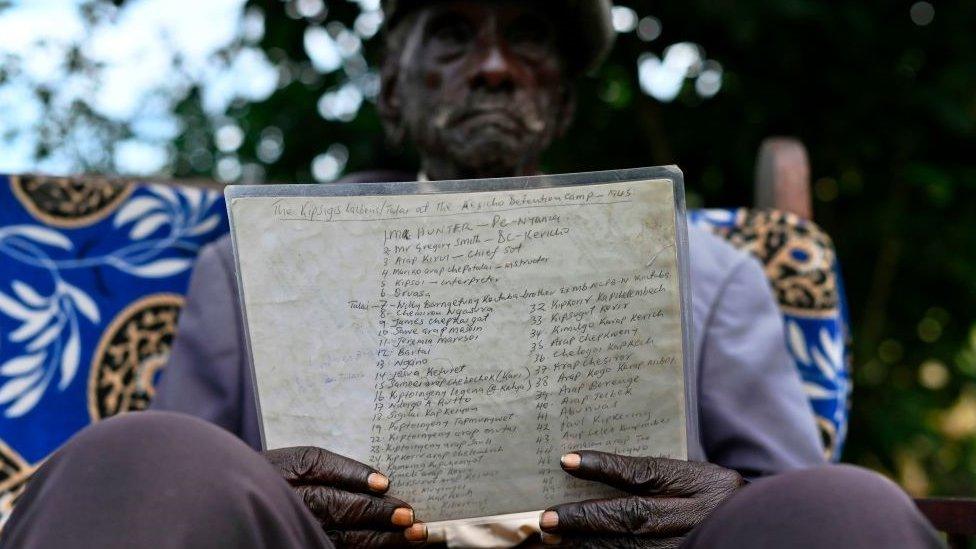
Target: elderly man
{"type": "Point", "coordinates": [481, 89]}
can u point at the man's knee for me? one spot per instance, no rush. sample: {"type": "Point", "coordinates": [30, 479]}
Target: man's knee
{"type": "Point", "coordinates": [147, 432]}
{"type": "Point", "coordinates": [149, 476]}
{"type": "Point", "coordinates": [833, 489]}
{"type": "Point", "coordinates": [838, 505]}
{"type": "Point", "coordinates": [140, 453]}
{"type": "Point", "coordinates": [151, 443]}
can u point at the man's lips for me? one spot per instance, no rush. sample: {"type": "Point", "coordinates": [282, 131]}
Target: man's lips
{"type": "Point", "coordinates": [502, 119]}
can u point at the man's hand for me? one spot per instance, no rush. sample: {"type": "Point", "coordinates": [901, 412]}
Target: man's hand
{"type": "Point", "coordinates": [669, 498]}
{"type": "Point", "coordinates": [346, 497]}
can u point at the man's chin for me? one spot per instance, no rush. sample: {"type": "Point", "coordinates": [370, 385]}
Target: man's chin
{"type": "Point", "coordinates": [493, 163]}
{"type": "Point", "coordinates": [497, 156]}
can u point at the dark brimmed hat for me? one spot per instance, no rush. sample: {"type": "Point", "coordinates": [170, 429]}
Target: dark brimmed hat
{"type": "Point", "coordinates": [586, 24]}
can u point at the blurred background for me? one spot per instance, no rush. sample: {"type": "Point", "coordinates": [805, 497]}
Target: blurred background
{"type": "Point", "coordinates": [883, 94]}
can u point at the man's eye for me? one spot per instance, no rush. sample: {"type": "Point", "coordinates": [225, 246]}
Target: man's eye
{"type": "Point", "coordinates": [452, 34]}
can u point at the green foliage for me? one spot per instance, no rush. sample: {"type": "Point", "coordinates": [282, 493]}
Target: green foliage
{"type": "Point", "coordinates": [887, 109]}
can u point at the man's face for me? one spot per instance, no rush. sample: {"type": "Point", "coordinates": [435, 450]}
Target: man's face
{"type": "Point", "coordinates": [479, 88]}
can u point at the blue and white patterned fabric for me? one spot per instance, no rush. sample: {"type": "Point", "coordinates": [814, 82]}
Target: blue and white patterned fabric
{"type": "Point", "coordinates": [801, 264]}
{"type": "Point", "coordinates": [92, 275]}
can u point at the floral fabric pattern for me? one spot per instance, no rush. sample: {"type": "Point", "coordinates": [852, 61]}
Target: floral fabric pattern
{"type": "Point", "coordinates": [92, 274]}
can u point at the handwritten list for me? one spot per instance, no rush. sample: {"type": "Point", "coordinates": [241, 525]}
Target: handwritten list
{"type": "Point", "coordinates": [462, 342]}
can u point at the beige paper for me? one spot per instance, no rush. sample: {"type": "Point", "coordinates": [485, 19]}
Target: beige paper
{"type": "Point", "coordinates": [462, 343]}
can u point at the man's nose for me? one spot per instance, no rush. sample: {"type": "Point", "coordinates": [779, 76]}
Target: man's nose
{"type": "Point", "coordinates": [495, 71]}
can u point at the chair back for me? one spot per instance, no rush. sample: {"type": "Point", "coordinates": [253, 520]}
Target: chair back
{"type": "Point", "coordinates": [92, 277]}
{"type": "Point", "coordinates": [800, 261]}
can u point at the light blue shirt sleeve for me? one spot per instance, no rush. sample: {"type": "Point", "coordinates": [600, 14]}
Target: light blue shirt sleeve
{"type": "Point", "coordinates": [207, 374]}
{"type": "Point", "coordinates": [754, 415]}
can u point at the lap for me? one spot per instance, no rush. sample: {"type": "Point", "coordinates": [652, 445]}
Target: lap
{"type": "Point", "coordinates": [163, 480]}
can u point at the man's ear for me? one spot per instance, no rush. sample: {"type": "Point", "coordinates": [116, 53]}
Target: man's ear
{"type": "Point", "coordinates": [389, 105]}
{"type": "Point", "coordinates": [567, 110]}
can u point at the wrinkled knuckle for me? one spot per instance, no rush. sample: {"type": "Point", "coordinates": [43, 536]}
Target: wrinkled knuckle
{"type": "Point", "coordinates": [306, 461]}
{"type": "Point", "coordinates": [638, 516]}
{"type": "Point", "coordinates": [307, 498]}
{"type": "Point", "coordinates": [319, 505]}
{"type": "Point", "coordinates": [650, 469]}
{"type": "Point", "coordinates": [675, 471]}
{"type": "Point", "coordinates": [582, 517]}
{"type": "Point", "coordinates": [355, 511]}
{"type": "Point", "coordinates": [339, 538]}
{"type": "Point", "coordinates": [376, 509]}
{"type": "Point", "coordinates": [642, 472]}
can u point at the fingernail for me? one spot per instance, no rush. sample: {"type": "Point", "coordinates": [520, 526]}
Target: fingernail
{"type": "Point", "coordinates": [402, 516]}
{"type": "Point", "coordinates": [549, 520]}
{"type": "Point", "coordinates": [417, 532]}
{"type": "Point", "coordinates": [551, 539]}
{"type": "Point", "coordinates": [377, 482]}
{"type": "Point", "coordinates": [571, 461]}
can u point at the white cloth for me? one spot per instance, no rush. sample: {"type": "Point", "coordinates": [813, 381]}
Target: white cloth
{"type": "Point", "coordinates": [500, 531]}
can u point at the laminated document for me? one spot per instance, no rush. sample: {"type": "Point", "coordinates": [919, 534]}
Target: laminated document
{"type": "Point", "coordinates": [461, 336]}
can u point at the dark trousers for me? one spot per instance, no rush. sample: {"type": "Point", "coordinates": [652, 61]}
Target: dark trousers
{"type": "Point", "coordinates": [162, 480]}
